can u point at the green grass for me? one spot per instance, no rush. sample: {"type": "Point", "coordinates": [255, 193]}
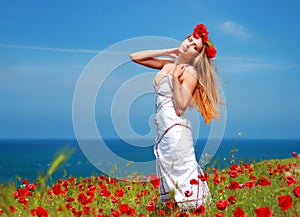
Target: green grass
{"type": "Point", "coordinates": [259, 185]}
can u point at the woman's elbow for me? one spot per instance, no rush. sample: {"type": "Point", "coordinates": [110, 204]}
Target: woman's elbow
{"type": "Point", "coordinates": [132, 57]}
{"type": "Point", "coordinates": [179, 112]}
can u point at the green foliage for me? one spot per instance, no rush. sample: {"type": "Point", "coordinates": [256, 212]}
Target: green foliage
{"type": "Point", "coordinates": [256, 185]}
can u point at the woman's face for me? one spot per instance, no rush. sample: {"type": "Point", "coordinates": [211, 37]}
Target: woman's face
{"type": "Point", "coordinates": [190, 47]}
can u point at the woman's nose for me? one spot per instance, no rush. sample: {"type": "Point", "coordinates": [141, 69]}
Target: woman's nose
{"type": "Point", "coordinates": [189, 43]}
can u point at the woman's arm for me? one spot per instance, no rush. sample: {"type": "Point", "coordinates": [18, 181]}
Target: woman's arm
{"type": "Point", "coordinates": [150, 58]}
{"type": "Point", "coordinates": [184, 86]}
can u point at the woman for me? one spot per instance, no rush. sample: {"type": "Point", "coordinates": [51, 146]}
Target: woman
{"type": "Point", "coordinates": [186, 79]}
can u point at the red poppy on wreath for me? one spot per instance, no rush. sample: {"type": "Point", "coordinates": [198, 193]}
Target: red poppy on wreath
{"type": "Point", "coordinates": [210, 51]}
{"type": "Point", "coordinates": [200, 31]}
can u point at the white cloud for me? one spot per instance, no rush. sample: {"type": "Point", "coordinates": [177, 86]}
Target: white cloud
{"type": "Point", "coordinates": [242, 64]}
{"type": "Point", "coordinates": [235, 29]}
{"type": "Point", "coordinates": [70, 50]}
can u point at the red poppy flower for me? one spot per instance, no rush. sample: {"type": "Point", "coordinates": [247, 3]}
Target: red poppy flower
{"type": "Point", "coordinates": [155, 181]}
{"type": "Point", "coordinates": [104, 193]}
{"type": "Point", "coordinates": [295, 155]}
{"type": "Point", "coordinates": [263, 212]}
{"type": "Point", "coordinates": [238, 212]}
{"type": "Point", "coordinates": [169, 204]}
{"type": "Point", "coordinates": [12, 209]}
{"type": "Point", "coordinates": [188, 193]}
{"type": "Point", "coordinates": [151, 206]}
{"type": "Point", "coordinates": [200, 31]}
{"type": "Point", "coordinates": [68, 206]}
{"type": "Point", "coordinates": [119, 193]}
{"type": "Point", "coordinates": [114, 200]}
{"type": "Point", "coordinates": [16, 194]}
{"type": "Point", "coordinates": [264, 182]}
{"type": "Point", "coordinates": [83, 199]}
{"type": "Point", "coordinates": [216, 179]}
{"type": "Point", "coordinates": [290, 180]}
{"type": "Point", "coordinates": [233, 186]}
{"type": "Point", "coordinates": [232, 199]}
{"type": "Point", "coordinates": [233, 173]}
{"type": "Point", "coordinates": [250, 184]}
{"type": "Point", "coordinates": [182, 214]}
{"type": "Point", "coordinates": [252, 177]}
{"type": "Point", "coordinates": [86, 210]}
{"type": "Point", "coordinates": [210, 51]}
{"type": "Point", "coordinates": [219, 214]}
{"type": "Point", "coordinates": [285, 202]}
{"type": "Point", "coordinates": [130, 212]}
{"type": "Point", "coordinates": [222, 204]}
{"type": "Point", "coordinates": [127, 210]}
{"type": "Point", "coordinates": [194, 182]}
{"type": "Point", "coordinates": [31, 187]}
{"type": "Point", "coordinates": [203, 177]}
{"type": "Point", "coordinates": [57, 189]}
{"type": "Point", "coordinates": [101, 185]}
{"type": "Point", "coordinates": [199, 210]}
{"type": "Point", "coordinates": [296, 191]}
{"type": "Point", "coordinates": [39, 211]}
{"type": "Point", "coordinates": [70, 199]}
{"type": "Point", "coordinates": [161, 212]}
{"type": "Point", "coordinates": [25, 181]}
{"type": "Point", "coordinates": [115, 213]}
{"type": "Point", "coordinates": [24, 201]}
{"type": "Point", "coordinates": [123, 208]}
{"type": "Point", "coordinates": [92, 188]}
{"type": "Point", "coordinates": [246, 165]}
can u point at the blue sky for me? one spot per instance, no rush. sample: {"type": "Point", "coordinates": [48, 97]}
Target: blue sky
{"type": "Point", "coordinates": [45, 46]}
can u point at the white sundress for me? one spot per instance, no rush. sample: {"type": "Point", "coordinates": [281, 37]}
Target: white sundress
{"type": "Point", "coordinates": [174, 150]}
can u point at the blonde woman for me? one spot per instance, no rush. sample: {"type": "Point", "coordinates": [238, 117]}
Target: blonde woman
{"type": "Point", "coordinates": [187, 79]}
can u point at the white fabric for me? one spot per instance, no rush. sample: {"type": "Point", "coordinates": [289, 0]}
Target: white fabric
{"type": "Point", "coordinates": [174, 150]}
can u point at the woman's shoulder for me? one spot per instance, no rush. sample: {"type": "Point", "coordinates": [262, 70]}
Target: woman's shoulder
{"type": "Point", "coordinates": [191, 70]}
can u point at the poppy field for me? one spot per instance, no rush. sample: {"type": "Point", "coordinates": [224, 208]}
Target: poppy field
{"type": "Point", "coordinates": [263, 189]}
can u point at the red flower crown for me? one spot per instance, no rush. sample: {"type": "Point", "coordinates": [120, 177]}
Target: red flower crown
{"type": "Point", "coordinates": [200, 31]}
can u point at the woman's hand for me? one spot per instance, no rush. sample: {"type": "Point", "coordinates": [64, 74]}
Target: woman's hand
{"type": "Point", "coordinates": [178, 71]}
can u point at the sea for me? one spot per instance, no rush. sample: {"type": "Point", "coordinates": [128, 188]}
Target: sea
{"type": "Point", "coordinates": [30, 158]}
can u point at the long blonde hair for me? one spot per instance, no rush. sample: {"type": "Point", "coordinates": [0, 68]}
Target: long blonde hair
{"type": "Point", "coordinates": [206, 95]}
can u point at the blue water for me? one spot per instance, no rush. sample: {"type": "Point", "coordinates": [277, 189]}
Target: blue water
{"type": "Point", "coordinates": [29, 158]}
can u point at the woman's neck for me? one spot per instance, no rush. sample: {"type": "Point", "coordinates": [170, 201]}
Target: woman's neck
{"type": "Point", "coordinates": [181, 60]}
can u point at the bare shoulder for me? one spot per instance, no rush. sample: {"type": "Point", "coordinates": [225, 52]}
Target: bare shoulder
{"type": "Point", "coordinates": [191, 72]}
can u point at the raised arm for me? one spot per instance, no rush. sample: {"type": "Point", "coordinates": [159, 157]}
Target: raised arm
{"type": "Point", "coordinates": [153, 58]}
